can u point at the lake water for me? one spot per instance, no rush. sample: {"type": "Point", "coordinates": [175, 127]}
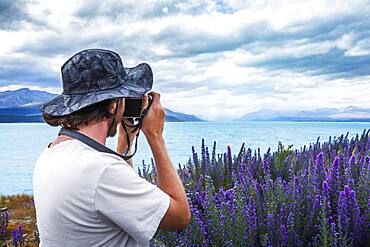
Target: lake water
{"type": "Point", "coordinates": [20, 144]}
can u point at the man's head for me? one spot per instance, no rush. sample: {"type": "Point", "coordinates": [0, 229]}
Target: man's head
{"type": "Point", "coordinates": [110, 111]}
{"type": "Point", "coordinates": [92, 81]}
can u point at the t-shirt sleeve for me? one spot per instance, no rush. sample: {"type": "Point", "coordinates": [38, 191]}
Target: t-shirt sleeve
{"type": "Point", "coordinates": [131, 202]}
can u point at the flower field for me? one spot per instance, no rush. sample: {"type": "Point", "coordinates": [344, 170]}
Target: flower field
{"type": "Point", "coordinates": [316, 196]}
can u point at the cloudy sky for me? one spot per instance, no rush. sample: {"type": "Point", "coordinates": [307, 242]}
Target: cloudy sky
{"type": "Point", "coordinates": [216, 59]}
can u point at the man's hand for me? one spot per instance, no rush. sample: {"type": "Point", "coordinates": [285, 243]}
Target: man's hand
{"type": "Point", "coordinates": [153, 123]}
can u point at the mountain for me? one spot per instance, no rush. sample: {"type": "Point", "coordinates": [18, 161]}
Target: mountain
{"type": "Point", "coordinates": [21, 106]}
{"type": "Point", "coordinates": [23, 97]}
{"type": "Point", "coordinates": [347, 114]}
{"type": "Point", "coordinates": [180, 117]}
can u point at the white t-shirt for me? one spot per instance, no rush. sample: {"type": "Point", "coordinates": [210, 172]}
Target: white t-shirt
{"type": "Point", "coordinates": [88, 198]}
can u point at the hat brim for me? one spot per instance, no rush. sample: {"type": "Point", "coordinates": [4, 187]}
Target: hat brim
{"type": "Point", "coordinates": [139, 81]}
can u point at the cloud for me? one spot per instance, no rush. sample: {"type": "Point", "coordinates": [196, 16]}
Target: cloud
{"type": "Point", "coordinates": [32, 70]}
{"type": "Point", "coordinates": [216, 59]}
{"type": "Point", "coordinates": [333, 63]}
{"type": "Point", "coordinates": [12, 13]}
{"type": "Point", "coordinates": [118, 11]}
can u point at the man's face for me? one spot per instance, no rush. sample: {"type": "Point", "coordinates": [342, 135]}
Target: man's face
{"type": "Point", "coordinates": [117, 119]}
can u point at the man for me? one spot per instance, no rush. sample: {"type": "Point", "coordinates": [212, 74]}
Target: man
{"type": "Point", "coordinates": [86, 197]}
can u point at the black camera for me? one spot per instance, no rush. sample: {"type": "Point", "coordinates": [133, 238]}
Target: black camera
{"type": "Point", "coordinates": [133, 107]}
{"type": "Point", "coordinates": [134, 112]}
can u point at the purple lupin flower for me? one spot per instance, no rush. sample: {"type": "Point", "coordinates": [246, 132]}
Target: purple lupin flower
{"type": "Point", "coordinates": [297, 189]}
{"type": "Point", "coordinates": [283, 235]}
{"type": "Point", "coordinates": [252, 218]}
{"type": "Point", "coordinates": [325, 218]}
{"type": "Point", "coordinates": [365, 166]}
{"type": "Point", "coordinates": [203, 157]}
{"type": "Point", "coordinates": [17, 236]}
{"type": "Point", "coordinates": [208, 161]}
{"type": "Point", "coordinates": [325, 188]}
{"type": "Point", "coordinates": [198, 214]}
{"type": "Point", "coordinates": [348, 171]}
{"type": "Point", "coordinates": [270, 229]}
{"type": "Point", "coordinates": [352, 160]}
{"type": "Point", "coordinates": [242, 176]}
{"type": "Point", "coordinates": [244, 210]}
{"type": "Point", "coordinates": [265, 164]}
{"type": "Point", "coordinates": [231, 201]}
{"type": "Point", "coordinates": [283, 214]}
{"type": "Point", "coordinates": [325, 197]}
{"type": "Point", "coordinates": [213, 159]}
{"type": "Point", "coordinates": [196, 163]}
{"type": "Point", "coordinates": [317, 203]}
{"type": "Point", "coordinates": [356, 218]}
{"type": "Point", "coordinates": [207, 210]}
{"type": "Point", "coordinates": [319, 171]}
{"type": "Point", "coordinates": [20, 232]}
{"type": "Point", "coordinates": [344, 220]}
{"type": "Point", "coordinates": [220, 207]}
{"type": "Point", "coordinates": [306, 173]}
{"type": "Point", "coordinates": [333, 182]}
{"type": "Point", "coordinates": [4, 220]}
{"type": "Point", "coordinates": [293, 236]}
{"type": "Point", "coordinates": [347, 190]}
{"type": "Point", "coordinates": [229, 161]}
{"type": "Point", "coordinates": [367, 220]}
{"type": "Point", "coordinates": [315, 212]}
{"type": "Point", "coordinates": [290, 223]}
{"type": "Point", "coordinates": [266, 168]}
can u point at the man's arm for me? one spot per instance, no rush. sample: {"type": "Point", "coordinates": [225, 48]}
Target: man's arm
{"type": "Point", "coordinates": [122, 144]}
{"type": "Point", "coordinates": [122, 147]}
{"type": "Point", "coordinates": [178, 214]}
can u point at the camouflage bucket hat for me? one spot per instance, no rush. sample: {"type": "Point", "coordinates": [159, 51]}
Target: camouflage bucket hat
{"type": "Point", "coordinates": [94, 75]}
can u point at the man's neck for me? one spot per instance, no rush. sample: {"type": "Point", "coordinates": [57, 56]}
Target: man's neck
{"type": "Point", "coordinates": [97, 131]}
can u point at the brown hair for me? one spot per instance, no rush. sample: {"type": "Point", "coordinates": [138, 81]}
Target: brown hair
{"type": "Point", "coordinates": [97, 111]}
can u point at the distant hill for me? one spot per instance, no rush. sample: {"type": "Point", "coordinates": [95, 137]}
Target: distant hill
{"type": "Point", "coordinates": [21, 106]}
{"type": "Point", "coordinates": [23, 97]}
{"type": "Point", "coordinates": [348, 114]}
{"type": "Point", "coordinates": [180, 117]}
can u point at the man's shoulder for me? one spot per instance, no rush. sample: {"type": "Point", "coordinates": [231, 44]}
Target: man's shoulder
{"type": "Point", "coordinates": [91, 155]}
{"type": "Point", "coordinates": [109, 159]}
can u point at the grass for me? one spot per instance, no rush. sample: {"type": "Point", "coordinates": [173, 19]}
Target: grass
{"type": "Point", "coordinates": [21, 212]}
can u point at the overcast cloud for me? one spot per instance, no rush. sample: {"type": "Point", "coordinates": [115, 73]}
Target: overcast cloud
{"type": "Point", "coordinates": [215, 59]}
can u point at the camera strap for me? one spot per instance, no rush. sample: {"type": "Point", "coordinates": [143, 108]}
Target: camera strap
{"type": "Point", "coordinates": [88, 141]}
{"type": "Point", "coordinates": [135, 127]}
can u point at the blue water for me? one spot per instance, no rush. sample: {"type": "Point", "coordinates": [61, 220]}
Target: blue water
{"type": "Point", "coordinates": [20, 144]}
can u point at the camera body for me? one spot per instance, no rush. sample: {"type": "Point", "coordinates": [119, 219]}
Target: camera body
{"type": "Point", "coordinates": [133, 107]}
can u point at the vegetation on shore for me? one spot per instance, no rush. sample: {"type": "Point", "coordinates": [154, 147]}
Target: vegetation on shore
{"type": "Point", "coordinates": [317, 195]}
{"type": "Point", "coordinates": [18, 221]}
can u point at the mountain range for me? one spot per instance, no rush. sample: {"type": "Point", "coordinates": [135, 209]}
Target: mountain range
{"type": "Point", "coordinates": [21, 106]}
{"type": "Point", "coordinates": [347, 114]}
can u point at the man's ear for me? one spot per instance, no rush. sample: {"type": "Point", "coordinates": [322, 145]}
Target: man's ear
{"type": "Point", "coordinates": [112, 106]}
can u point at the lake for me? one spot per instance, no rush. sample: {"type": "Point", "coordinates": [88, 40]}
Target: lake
{"type": "Point", "coordinates": [21, 143]}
